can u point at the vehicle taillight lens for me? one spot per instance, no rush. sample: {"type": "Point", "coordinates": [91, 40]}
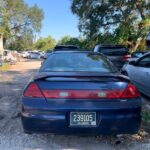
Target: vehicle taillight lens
{"type": "Point", "coordinates": [82, 94]}
{"type": "Point", "coordinates": [130, 92]}
{"type": "Point", "coordinates": [33, 91]}
{"type": "Point", "coordinates": [126, 57]}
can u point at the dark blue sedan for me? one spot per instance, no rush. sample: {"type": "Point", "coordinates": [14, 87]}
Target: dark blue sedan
{"type": "Point", "coordinates": [80, 93]}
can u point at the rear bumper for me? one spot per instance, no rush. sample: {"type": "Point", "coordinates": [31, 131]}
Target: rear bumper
{"type": "Point", "coordinates": [57, 124]}
{"type": "Point", "coordinates": [110, 121]}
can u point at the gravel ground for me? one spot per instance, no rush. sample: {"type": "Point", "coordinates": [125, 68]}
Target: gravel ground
{"type": "Point", "coordinates": [12, 137]}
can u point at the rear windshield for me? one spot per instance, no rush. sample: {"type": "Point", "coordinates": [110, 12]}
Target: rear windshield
{"type": "Point", "coordinates": [137, 54]}
{"type": "Point", "coordinates": [113, 51]}
{"type": "Point", "coordinates": [77, 62]}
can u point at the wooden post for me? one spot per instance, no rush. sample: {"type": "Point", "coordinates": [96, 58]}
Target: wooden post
{"type": "Point", "coordinates": [1, 44]}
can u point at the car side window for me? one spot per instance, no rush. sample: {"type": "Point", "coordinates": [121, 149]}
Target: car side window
{"type": "Point", "coordinates": [145, 62]}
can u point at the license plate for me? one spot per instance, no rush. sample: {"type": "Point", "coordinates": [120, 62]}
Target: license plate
{"type": "Point", "coordinates": [83, 119]}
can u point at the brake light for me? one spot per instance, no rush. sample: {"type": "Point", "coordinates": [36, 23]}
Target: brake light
{"type": "Point", "coordinates": [130, 92]}
{"type": "Point", "coordinates": [82, 94]}
{"type": "Point", "coordinates": [33, 91]}
{"type": "Point", "coordinates": [126, 57]}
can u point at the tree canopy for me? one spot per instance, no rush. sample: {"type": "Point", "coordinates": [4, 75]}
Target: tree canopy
{"type": "Point", "coordinates": [68, 40]}
{"type": "Point", "coordinates": [20, 22]}
{"type": "Point", "coordinates": [116, 21]}
{"type": "Point", "coordinates": [45, 44]}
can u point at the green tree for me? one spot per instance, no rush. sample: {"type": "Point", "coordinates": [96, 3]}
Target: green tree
{"type": "Point", "coordinates": [44, 44]}
{"type": "Point", "coordinates": [126, 21]}
{"type": "Point", "coordinates": [24, 42]}
{"type": "Point", "coordinates": [17, 19]}
{"type": "Point", "coordinates": [68, 40]}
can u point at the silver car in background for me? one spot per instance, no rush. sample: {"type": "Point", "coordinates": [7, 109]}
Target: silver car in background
{"type": "Point", "coordinates": [34, 55]}
{"type": "Point", "coordinates": [139, 73]}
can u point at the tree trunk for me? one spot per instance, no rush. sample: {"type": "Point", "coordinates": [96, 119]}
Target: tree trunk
{"type": "Point", "coordinates": [4, 42]}
{"type": "Point", "coordinates": [1, 44]}
{"type": "Point", "coordinates": [137, 44]}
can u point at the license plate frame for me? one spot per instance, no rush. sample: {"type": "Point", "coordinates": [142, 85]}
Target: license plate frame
{"type": "Point", "coordinates": [87, 119]}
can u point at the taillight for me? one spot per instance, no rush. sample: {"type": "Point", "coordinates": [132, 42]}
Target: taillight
{"type": "Point", "coordinates": [130, 92]}
{"type": "Point", "coordinates": [126, 57]}
{"type": "Point", "coordinates": [33, 91]}
{"type": "Point", "coordinates": [82, 94]}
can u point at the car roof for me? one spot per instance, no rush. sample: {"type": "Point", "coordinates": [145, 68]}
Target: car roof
{"type": "Point", "coordinates": [65, 47]}
{"type": "Point", "coordinates": [148, 53]}
{"type": "Point", "coordinates": [74, 51]}
{"type": "Point", "coordinates": [78, 51]}
{"type": "Point", "coordinates": [111, 45]}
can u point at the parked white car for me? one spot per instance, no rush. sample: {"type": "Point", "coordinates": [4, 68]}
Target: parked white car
{"type": "Point", "coordinates": [137, 54]}
{"type": "Point", "coordinates": [34, 55]}
{"type": "Point", "coordinates": [25, 54]}
{"type": "Point", "coordinates": [139, 73]}
{"type": "Point", "coordinates": [42, 54]}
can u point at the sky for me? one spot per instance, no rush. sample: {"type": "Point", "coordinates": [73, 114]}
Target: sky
{"type": "Point", "coordinates": [59, 20]}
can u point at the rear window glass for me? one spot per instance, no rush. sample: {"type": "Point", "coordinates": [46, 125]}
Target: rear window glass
{"type": "Point", "coordinates": [114, 51]}
{"type": "Point", "coordinates": [137, 55]}
{"type": "Point", "coordinates": [77, 62]}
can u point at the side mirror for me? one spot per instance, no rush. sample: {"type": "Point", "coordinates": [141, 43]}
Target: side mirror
{"type": "Point", "coordinates": [133, 62]}
{"type": "Point", "coordinates": [148, 40]}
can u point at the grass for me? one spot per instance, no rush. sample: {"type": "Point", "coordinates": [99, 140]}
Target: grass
{"type": "Point", "coordinates": [146, 116]}
{"type": "Point", "coordinates": [4, 67]}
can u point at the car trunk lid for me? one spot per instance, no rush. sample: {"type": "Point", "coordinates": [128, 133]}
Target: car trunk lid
{"type": "Point", "coordinates": [83, 86]}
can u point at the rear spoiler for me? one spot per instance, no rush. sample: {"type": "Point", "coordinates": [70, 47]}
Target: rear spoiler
{"type": "Point", "coordinates": [44, 75]}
